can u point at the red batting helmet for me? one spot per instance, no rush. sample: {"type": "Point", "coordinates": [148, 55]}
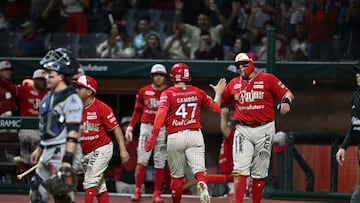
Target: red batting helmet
{"type": "Point", "coordinates": [180, 73]}
{"type": "Point", "coordinates": [245, 60]}
{"type": "Point", "coordinates": [87, 82]}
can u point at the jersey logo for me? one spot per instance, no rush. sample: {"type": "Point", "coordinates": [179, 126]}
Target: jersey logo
{"type": "Point", "coordinates": [149, 92]}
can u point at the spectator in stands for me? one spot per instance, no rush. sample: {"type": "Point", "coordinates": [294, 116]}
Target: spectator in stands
{"type": "Point", "coordinates": [295, 14]}
{"type": "Point", "coordinates": [226, 13]}
{"type": "Point", "coordinates": [31, 43]}
{"type": "Point", "coordinates": [262, 12]}
{"type": "Point", "coordinates": [320, 22]}
{"type": "Point", "coordinates": [75, 18]}
{"type": "Point", "coordinates": [8, 105]}
{"type": "Point", "coordinates": [190, 10]}
{"type": "Point", "coordinates": [297, 45]}
{"type": "Point", "coordinates": [118, 171]}
{"type": "Point", "coordinates": [193, 32]}
{"type": "Point", "coordinates": [177, 46]}
{"type": "Point", "coordinates": [208, 48]}
{"type": "Point", "coordinates": [259, 34]}
{"type": "Point", "coordinates": [152, 48]}
{"type": "Point", "coordinates": [349, 24]}
{"type": "Point", "coordinates": [116, 46]}
{"type": "Point", "coordinates": [144, 27]}
{"type": "Point", "coordinates": [46, 15]}
{"type": "Point", "coordinates": [29, 95]}
{"type": "Point", "coordinates": [241, 45]}
{"type": "Point", "coordinates": [16, 12]}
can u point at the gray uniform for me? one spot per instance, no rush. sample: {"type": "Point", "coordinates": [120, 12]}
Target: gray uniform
{"type": "Point", "coordinates": [57, 109]}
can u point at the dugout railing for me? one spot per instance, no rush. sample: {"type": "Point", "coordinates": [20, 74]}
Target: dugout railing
{"type": "Point", "coordinates": [285, 162]}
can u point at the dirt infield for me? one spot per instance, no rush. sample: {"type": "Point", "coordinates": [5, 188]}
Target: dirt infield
{"type": "Point", "coordinates": [14, 198]}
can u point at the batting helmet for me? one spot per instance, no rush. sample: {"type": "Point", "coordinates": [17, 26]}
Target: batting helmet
{"type": "Point", "coordinates": [87, 82]}
{"type": "Point", "coordinates": [245, 60]}
{"type": "Point", "coordinates": [61, 55]}
{"type": "Point", "coordinates": [180, 73]}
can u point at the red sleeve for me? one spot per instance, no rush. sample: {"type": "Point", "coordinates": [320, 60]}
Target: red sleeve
{"type": "Point", "coordinates": [135, 118]}
{"type": "Point", "coordinates": [11, 87]}
{"type": "Point", "coordinates": [138, 109]}
{"type": "Point", "coordinates": [160, 117]}
{"type": "Point", "coordinates": [214, 107]}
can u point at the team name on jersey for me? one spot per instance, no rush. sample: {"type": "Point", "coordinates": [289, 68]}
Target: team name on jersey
{"type": "Point", "coordinates": [183, 122]}
{"type": "Point", "coordinates": [187, 99]}
{"type": "Point", "coordinates": [151, 103]}
{"type": "Point", "coordinates": [245, 96]}
{"type": "Point", "coordinates": [90, 127]}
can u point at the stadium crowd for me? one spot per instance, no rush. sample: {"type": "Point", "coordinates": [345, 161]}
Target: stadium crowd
{"type": "Point", "coordinates": [315, 30]}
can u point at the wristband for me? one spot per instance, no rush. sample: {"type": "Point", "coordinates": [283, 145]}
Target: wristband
{"type": "Point", "coordinates": [286, 100]}
{"type": "Point", "coordinates": [68, 157]}
{"type": "Point", "coordinates": [41, 146]}
{"type": "Point", "coordinates": [71, 139]}
{"type": "Point", "coordinates": [217, 96]}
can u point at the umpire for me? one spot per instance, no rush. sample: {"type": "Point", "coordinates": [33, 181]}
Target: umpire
{"type": "Point", "coordinates": [353, 134]}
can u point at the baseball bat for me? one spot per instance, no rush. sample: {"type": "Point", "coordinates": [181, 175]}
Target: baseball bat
{"type": "Point", "coordinates": [25, 173]}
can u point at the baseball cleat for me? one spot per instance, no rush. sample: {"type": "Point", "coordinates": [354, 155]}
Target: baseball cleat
{"type": "Point", "coordinates": [136, 196]}
{"type": "Point", "coordinates": [157, 199]}
{"type": "Point", "coordinates": [203, 190]}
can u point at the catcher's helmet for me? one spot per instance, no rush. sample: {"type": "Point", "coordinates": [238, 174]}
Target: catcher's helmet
{"type": "Point", "coordinates": [245, 60]}
{"type": "Point", "coordinates": [180, 73]}
{"type": "Point", "coordinates": [61, 55]}
{"type": "Point", "coordinates": [59, 67]}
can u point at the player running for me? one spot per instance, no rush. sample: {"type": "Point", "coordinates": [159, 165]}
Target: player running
{"type": "Point", "coordinates": [253, 94]}
{"type": "Point", "coordinates": [98, 122]}
{"type": "Point", "coordinates": [179, 110]}
{"type": "Point", "coordinates": [146, 106]}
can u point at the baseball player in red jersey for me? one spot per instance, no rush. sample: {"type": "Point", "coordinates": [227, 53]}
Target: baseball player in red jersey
{"type": "Point", "coordinates": [253, 94]}
{"type": "Point", "coordinates": [179, 110]}
{"type": "Point", "coordinates": [146, 106]}
{"type": "Point", "coordinates": [7, 99]}
{"type": "Point", "coordinates": [29, 97]}
{"type": "Point", "coordinates": [98, 121]}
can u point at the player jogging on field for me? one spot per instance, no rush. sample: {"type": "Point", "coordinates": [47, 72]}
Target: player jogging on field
{"type": "Point", "coordinates": [253, 94]}
{"type": "Point", "coordinates": [146, 106]}
{"type": "Point", "coordinates": [59, 124]}
{"type": "Point", "coordinates": [179, 110]}
{"type": "Point", "coordinates": [353, 133]}
{"type": "Point", "coordinates": [98, 121]}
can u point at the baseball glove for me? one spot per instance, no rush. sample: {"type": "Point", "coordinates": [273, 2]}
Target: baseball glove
{"type": "Point", "coordinates": [63, 182]}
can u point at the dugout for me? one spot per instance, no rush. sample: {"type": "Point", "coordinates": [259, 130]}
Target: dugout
{"type": "Point", "coordinates": [323, 92]}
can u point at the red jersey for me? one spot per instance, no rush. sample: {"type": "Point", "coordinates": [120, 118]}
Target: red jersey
{"type": "Point", "coordinates": [184, 104]}
{"type": "Point", "coordinates": [98, 120]}
{"type": "Point", "coordinates": [29, 97]}
{"type": "Point", "coordinates": [254, 98]}
{"type": "Point", "coordinates": [147, 102]}
{"type": "Point", "coordinates": [226, 164]}
{"type": "Point", "coordinates": [7, 99]}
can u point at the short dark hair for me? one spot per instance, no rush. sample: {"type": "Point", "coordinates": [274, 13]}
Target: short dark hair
{"type": "Point", "coordinates": [205, 32]}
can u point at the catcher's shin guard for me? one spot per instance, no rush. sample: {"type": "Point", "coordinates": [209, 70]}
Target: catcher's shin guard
{"type": "Point", "coordinates": [37, 192]}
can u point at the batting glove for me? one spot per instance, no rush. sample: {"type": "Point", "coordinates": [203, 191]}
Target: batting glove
{"type": "Point", "coordinates": [129, 133]}
{"type": "Point", "coordinates": [150, 142]}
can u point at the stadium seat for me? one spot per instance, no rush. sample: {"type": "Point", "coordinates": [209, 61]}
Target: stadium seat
{"type": "Point", "coordinates": [7, 49]}
{"type": "Point", "coordinates": [10, 37]}
{"type": "Point", "coordinates": [65, 38]}
{"type": "Point", "coordinates": [168, 15]}
{"type": "Point", "coordinates": [74, 48]}
{"type": "Point", "coordinates": [93, 38]}
{"type": "Point", "coordinates": [88, 51]}
{"type": "Point", "coordinates": [154, 14]}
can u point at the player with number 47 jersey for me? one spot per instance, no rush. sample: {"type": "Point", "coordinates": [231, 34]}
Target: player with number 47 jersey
{"type": "Point", "coordinates": [180, 108]}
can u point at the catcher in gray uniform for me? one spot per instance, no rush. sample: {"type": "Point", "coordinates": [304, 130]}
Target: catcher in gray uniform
{"type": "Point", "coordinates": [59, 153]}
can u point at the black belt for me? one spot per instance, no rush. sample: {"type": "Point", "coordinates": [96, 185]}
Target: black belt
{"type": "Point", "coordinates": [254, 124]}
